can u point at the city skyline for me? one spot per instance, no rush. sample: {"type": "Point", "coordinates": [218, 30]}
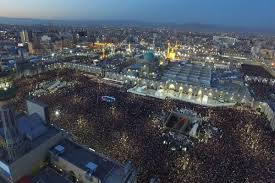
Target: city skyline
{"type": "Point", "coordinates": [227, 13]}
{"type": "Point", "coordinates": [118, 91]}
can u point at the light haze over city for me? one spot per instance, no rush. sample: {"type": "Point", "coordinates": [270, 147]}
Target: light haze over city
{"type": "Point", "coordinates": [245, 13]}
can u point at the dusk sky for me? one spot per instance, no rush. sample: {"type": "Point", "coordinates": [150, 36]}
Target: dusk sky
{"type": "Point", "coordinates": [247, 13]}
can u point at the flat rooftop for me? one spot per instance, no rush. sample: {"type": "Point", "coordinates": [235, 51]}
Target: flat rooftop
{"type": "Point", "coordinates": [37, 102]}
{"type": "Point", "coordinates": [51, 132]}
{"type": "Point", "coordinates": [188, 73]}
{"type": "Point", "coordinates": [80, 157]}
{"type": "Point", "coordinates": [49, 175]}
{"type": "Point", "coordinates": [163, 95]}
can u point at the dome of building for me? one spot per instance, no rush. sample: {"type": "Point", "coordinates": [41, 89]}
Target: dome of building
{"type": "Point", "coordinates": [149, 57]}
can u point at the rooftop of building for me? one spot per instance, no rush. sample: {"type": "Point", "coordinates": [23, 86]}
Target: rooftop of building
{"type": "Point", "coordinates": [135, 66]}
{"type": "Point", "coordinates": [31, 125]}
{"type": "Point", "coordinates": [149, 56]}
{"type": "Point", "coordinates": [37, 102]}
{"type": "Point", "coordinates": [188, 73]}
{"type": "Point", "coordinates": [48, 132]}
{"type": "Point", "coordinates": [82, 157]}
{"type": "Point", "coordinates": [48, 174]}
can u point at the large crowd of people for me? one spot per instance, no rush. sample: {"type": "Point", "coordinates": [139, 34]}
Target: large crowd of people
{"type": "Point", "coordinates": [255, 70]}
{"type": "Point", "coordinates": [123, 130]}
{"type": "Point", "coordinates": [261, 83]}
{"type": "Point", "coordinates": [262, 92]}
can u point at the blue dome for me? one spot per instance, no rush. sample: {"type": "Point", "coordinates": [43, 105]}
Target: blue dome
{"type": "Point", "coordinates": [149, 57]}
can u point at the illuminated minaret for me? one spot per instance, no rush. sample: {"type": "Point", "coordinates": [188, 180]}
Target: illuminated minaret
{"type": "Point", "coordinates": [168, 50]}
{"type": "Point", "coordinates": [24, 36]}
{"type": "Point", "coordinates": [171, 54]}
{"type": "Point", "coordinates": [103, 56]}
{"type": "Point", "coordinates": [14, 141]}
{"type": "Point", "coordinates": [129, 48]}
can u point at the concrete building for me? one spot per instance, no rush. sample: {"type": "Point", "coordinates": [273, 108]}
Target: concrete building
{"type": "Point", "coordinates": [49, 174]}
{"type": "Point", "coordinates": [27, 140]}
{"type": "Point", "coordinates": [192, 74]}
{"type": "Point", "coordinates": [13, 139]}
{"type": "Point", "coordinates": [39, 140]}
{"type": "Point", "coordinates": [268, 109]}
{"type": "Point", "coordinates": [225, 40]}
{"type": "Point", "coordinates": [33, 159]}
{"type": "Point", "coordinates": [267, 53]}
{"type": "Point", "coordinates": [36, 107]}
{"type": "Point", "coordinates": [87, 166]}
{"type": "Point", "coordinates": [24, 35]}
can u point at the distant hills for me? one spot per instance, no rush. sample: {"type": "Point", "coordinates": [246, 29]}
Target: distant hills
{"type": "Point", "coordinates": [186, 27]}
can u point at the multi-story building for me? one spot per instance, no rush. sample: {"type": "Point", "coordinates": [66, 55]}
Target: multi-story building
{"type": "Point", "coordinates": [267, 53]}
{"type": "Point", "coordinates": [224, 40]}
{"type": "Point", "coordinates": [87, 166]}
{"type": "Point", "coordinates": [27, 139]}
{"type": "Point", "coordinates": [24, 35]}
{"type": "Point", "coordinates": [28, 144]}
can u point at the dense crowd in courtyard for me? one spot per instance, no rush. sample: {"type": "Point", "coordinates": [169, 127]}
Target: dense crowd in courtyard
{"type": "Point", "coordinates": [124, 130]}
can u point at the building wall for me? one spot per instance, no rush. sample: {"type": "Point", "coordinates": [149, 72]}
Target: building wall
{"type": "Point", "coordinates": [68, 167]}
{"type": "Point", "coordinates": [267, 53]}
{"type": "Point", "coordinates": [270, 116]}
{"type": "Point", "coordinates": [180, 87]}
{"type": "Point", "coordinates": [24, 165]}
{"type": "Point", "coordinates": [40, 110]}
{"type": "Point", "coordinates": [267, 110]}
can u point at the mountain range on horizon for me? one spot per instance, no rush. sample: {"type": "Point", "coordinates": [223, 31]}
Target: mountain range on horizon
{"type": "Point", "coordinates": [192, 26]}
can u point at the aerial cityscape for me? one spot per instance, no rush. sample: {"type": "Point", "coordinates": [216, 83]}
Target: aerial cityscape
{"type": "Point", "coordinates": [126, 92]}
